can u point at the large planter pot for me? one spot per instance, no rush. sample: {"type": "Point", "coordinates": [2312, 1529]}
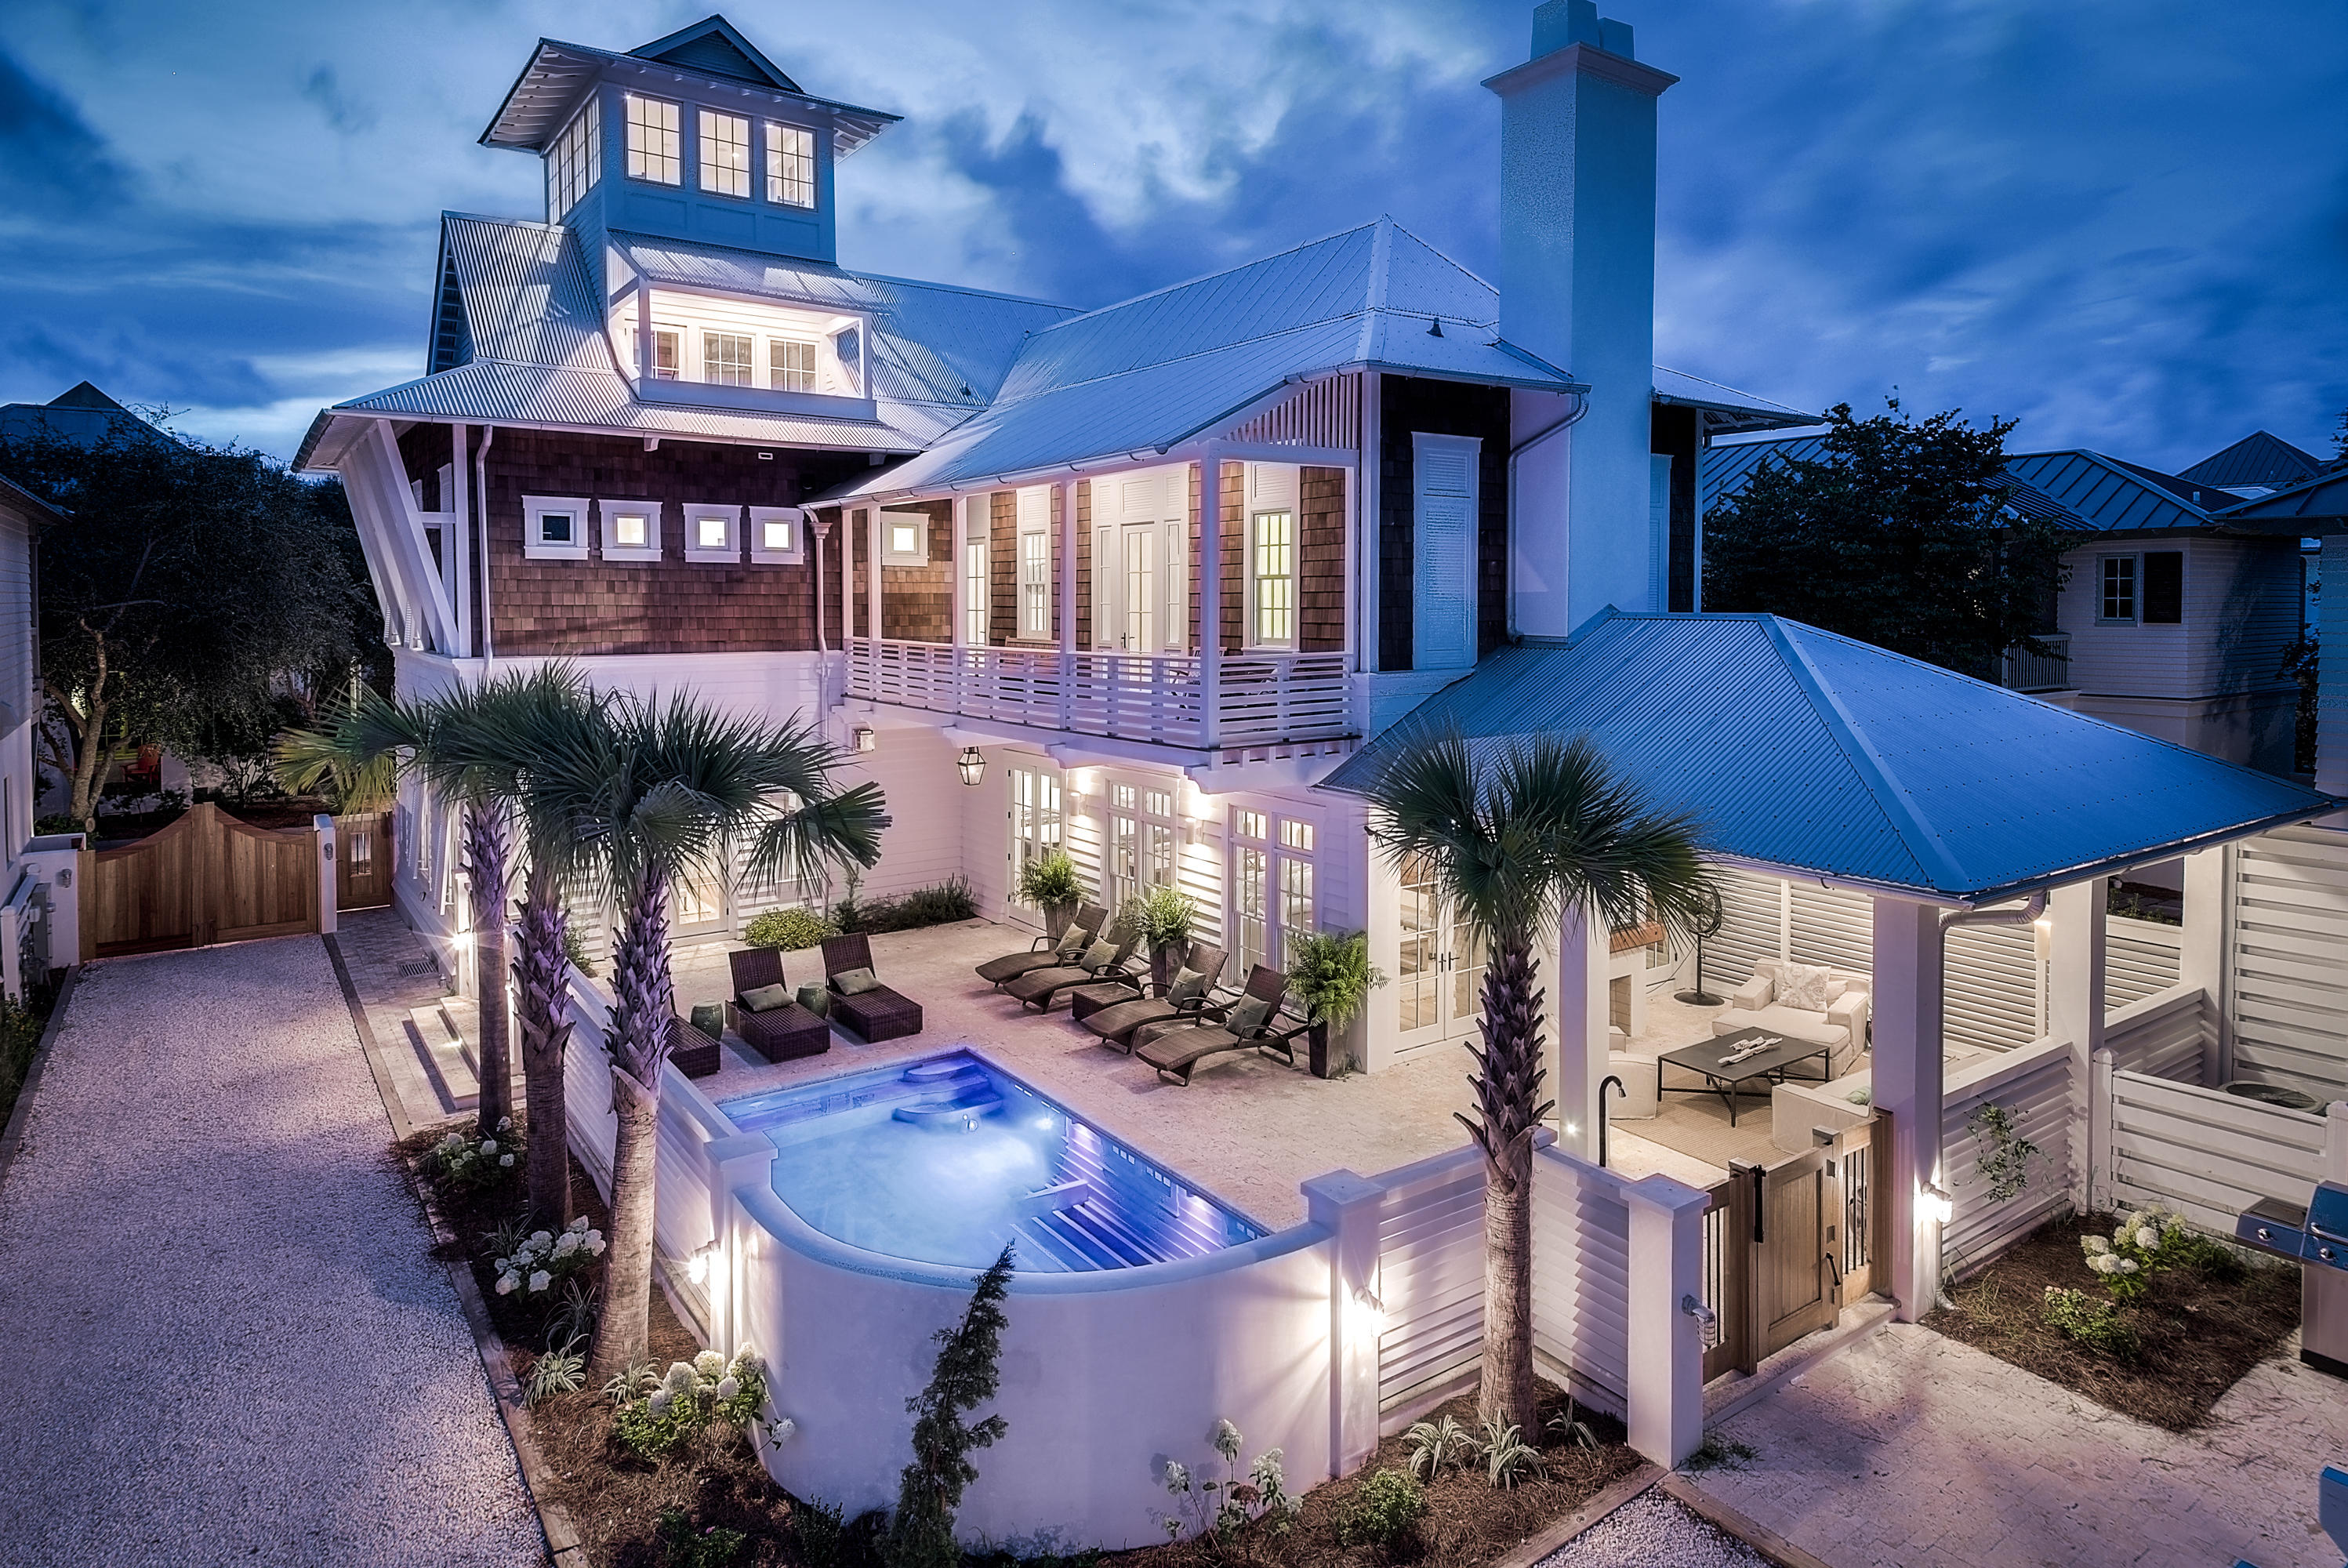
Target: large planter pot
{"type": "Point", "coordinates": [1164, 962]}
{"type": "Point", "coordinates": [1056, 917]}
{"type": "Point", "coordinates": [1316, 1042]}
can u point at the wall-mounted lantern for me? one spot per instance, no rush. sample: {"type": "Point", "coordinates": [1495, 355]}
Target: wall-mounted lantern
{"type": "Point", "coordinates": [864, 738]}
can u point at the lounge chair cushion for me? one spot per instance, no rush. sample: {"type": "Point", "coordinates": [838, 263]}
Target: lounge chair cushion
{"type": "Point", "coordinates": [1072, 942]}
{"type": "Point", "coordinates": [1099, 955]}
{"type": "Point", "coordinates": [1188, 985]}
{"type": "Point", "coordinates": [815, 1000]}
{"type": "Point", "coordinates": [1246, 1014]}
{"type": "Point", "coordinates": [766, 999]}
{"type": "Point", "coordinates": [856, 982]}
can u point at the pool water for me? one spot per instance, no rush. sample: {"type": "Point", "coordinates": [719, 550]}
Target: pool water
{"type": "Point", "coordinates": [944, 1160]}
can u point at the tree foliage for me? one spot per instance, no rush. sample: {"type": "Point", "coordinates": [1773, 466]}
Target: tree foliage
{"type": "Point", "coordinates": [920, 1532]}
{"type": "Point", "coordinates": [196, 597]}
{"type": "Point", "coordinates": [1899, 534]}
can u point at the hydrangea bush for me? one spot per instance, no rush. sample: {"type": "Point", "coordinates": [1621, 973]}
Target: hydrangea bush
{"type": "Point", "coordinates": [462, 1163]}
{"type": "Point", "coordinates": [658, 1413]}
{"type": "Point", "coordinates": [2143, 1244]}
{"type": "Point", "coordinates": [1221, 1507]}
{"type": "Point", "coordinates": [546, 1258]}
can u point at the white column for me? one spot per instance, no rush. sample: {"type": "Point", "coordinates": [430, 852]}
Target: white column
{"type": "Point", "coordinates": [2331, 687]}
{"type": "Point", "coordinates": [1347, 1205]}
{"type": "Point", "coordinates": [1581, 964]}
{"type": "Point", "coordinates": [1209, 590]}
{"type": "Point", "coordinates": [1364, 524]}
{"type": "Point", "coordinates": [847, 579]}
{"type": "Point", "coordinates": [2074, 993]}
{"type": "Point", "coordinates": [1382, 1020]}
{"type": "Point", "coordinates": [745, 1161]}
{"type": "Point", "coordinates": [872, 570]}
{"type": "Point", "coordinates": [2201, 960]}
{"type": "Point", "coordinates": [322, 827]}
{"type": "Point", "coordinates": [457, 548]}
{"type": "Point", "coordinates": [959, 590]}
{"type": "Point", "coordinates": [1666, 1349]}
{"type": "Point", "coordinates": [1907, 1081]}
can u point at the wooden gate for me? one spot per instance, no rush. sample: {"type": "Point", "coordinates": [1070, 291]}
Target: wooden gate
{"type": "Point", "coordinates": [1788, 1245]}
{"type": "Point", "coordinates": [206, 878]}
{"type": "Point", "coordinates": [362, 861]}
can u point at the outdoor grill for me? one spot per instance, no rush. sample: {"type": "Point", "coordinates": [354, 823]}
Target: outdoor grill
{"type": "Point", "coordinates": [2317, 1238]}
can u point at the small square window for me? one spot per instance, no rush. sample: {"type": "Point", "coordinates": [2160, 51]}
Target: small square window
{"type": "Point", "coordinates": [631, 530]}
{"type": "Point", "coordinates": [711, 534]}
{"type": "Point", "coordinates": [904, 539]}
{"type": "Point", "coordinates": [775, 535]}
{"type": "Point", "coordinates": [554, 528]}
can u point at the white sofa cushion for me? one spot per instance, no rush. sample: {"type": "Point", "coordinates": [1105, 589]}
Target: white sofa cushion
{"type": "Point", "coordinates": [1811, 1027]}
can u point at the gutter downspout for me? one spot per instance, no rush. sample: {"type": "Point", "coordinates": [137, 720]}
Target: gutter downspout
{"type": "Point", "coordinates": [481, 501]}
{"type": "Point", "coordinates": [1573, 415]}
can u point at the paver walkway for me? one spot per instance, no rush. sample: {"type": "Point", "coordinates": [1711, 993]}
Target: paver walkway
{"type": "Point", "coordinates": [1910, 1451]}
{"type": "Point", "coordinates": [225, 1339]}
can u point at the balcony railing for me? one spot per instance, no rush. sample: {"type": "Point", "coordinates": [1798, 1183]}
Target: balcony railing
{"type": "Point", "coordinates": [2026, 671]}
{"type": "Point", "coordinates": [1261, 697]}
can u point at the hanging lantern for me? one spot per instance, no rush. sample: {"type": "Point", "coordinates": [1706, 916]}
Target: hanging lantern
{"type": "Point", "coordinates": [973, 765]}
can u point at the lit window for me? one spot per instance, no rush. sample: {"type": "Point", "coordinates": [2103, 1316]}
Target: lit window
{"type": "Point", "coordinates": [653, 151]}
{"type": "Point", "coordinates": [775, 537]}
{"type": "Point", "coordinates": [791, 165]}
{"type": "Point", "coordinates": [778, 535]}
{"type": "Point", "coordinates": [1296, 899]}
{"type": "Point", "coordinates": [791, 365]}
{"type": "Point", "coordinates": [975, 607]}
{"type": "Point", "coordinates": [2118, 600]}
{"type": "Point", "coordinates": [1035, 585]}
{"type": "Point", "coordinates": [1274, 579]}
{"type": "Point", "coordinates": [1248, 824]}
{"type": "Point", "coordinates": [1297, 836]}
{"type": "Point", "coordinates": [1251, 897]}
{"type": "Point", "coordinates": [630, 531]}
{"type": "Point", "coordinates": [710, 532]}
{"type": "Point", "coordinates": [1122, 797]}
{"type": "Point", "coordinates": [575, 162]}
{"type": "Point", "coordinates": [726, 358]}
{"type": "Point", "coordinates": [666, 360]}
{"type": "Point", "coordinates": [724, 153]}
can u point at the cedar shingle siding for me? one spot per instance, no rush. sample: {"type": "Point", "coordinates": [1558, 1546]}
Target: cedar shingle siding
{"type": "Point", "coordinates": [673, 606]}
{"type": "Point", "coordinates": [1409, 404]}
{"type": "Point", "coordinates": [1321, 561]}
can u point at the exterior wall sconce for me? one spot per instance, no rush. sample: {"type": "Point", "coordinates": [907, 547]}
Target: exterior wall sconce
{"type": "Point", "coordinates": [1935, 1205]}
{"type": "Point", "coordinates": [973, 765]}
{"type": "Point", "coordinates": [864, 738]}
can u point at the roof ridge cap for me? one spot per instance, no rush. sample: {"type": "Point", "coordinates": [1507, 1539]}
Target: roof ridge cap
{"type": "Point", "coordinates": [1931, 855]}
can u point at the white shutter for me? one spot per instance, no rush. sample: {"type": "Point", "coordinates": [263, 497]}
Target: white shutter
{"type": "Point", "coordinates": [1443, 606]}
{"type": "Point", "coordinates": [1035, 509]}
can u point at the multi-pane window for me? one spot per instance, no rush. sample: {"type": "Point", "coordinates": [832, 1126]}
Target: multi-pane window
{"type": "Point", "coordinates": [726, 358]}
{"type": "Point", "coordinates": [1271, 885]}
{"type": "Point", "coordinates": [1251, 896]}
{"type": "Point", "coordinates": [724, 153]}
{"type": "Point", "coordinates": [1035, 583]}
{"type": "Point", "coordinates": [1297, 915]}
{"type": "Point", "coordinates": [1273, 576]}
{"type": "Point", "coordinates": [790, 364]}
{"type": "Point", "coordinates": [575, 161]}
{"type": "Point", "coordinates": [2118, 600]}
{"type": "Point", "coordinates": [653, 144]}
{"type": "Point", "coordinates": [1036, 824]}
{"type": "Point", "coordinates": [1141, 837]}
{"type": "Point", "coordinates": [974, 585]}
{"type": "Point", "coordinates": [667, 356]}
{"type": "Point", "coordinates": [791, 165]}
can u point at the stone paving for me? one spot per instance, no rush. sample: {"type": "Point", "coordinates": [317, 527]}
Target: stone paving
{"type": "Point", "coordinates": [1911, 1451]}
{"type": "Point", "coordinates": [228, 1340]}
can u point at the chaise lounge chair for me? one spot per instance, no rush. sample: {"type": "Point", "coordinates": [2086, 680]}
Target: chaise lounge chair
{"type": "Point", "coordinates": [875, 1012]}
{"type": "Point", "coordinates": [779, 1033]}
{"type": "Point", "coordinates": [1049, 951]}
{"type": "Point", "coordinates": [1116, 1010]}
{"type": "Point", "coordinates": [1043, 989]}
{"type": "Point", "coordinates": [1252, 1022]}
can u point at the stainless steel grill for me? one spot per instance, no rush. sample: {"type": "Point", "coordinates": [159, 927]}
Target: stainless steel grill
{"type": "Point", "coordinates": [2316, 1238]}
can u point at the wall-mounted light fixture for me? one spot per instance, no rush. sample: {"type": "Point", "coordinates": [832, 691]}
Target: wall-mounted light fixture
{"type": "Point", "coordinates": [972, 764]}
{"type": "Point", "coordinates": [864, 738]}
{"type": "Point", "coordinates": [1935, 1205]}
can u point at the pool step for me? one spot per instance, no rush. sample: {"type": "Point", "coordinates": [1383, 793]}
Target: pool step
{"type": "Point", "coordinates": [1090, 1236]}
{"type": "Point", "coordinates": [958, 1113]}
{"type": "Point", "coordinates": [941, 1070]}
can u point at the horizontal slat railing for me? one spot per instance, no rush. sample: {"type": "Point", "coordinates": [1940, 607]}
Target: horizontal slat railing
{"type": "Point", "coordinates": [1263, 699]}
{"type": "Point", "coordinates": [2208, 1155]}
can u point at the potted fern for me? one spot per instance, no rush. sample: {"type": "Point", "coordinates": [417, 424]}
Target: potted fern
{"type": "Point", "coordinates": [1163, 917]}
{"type": "Point", "coordinates": [1049, 882]}
{"type": "Point", "coordinates": [1331, 976]}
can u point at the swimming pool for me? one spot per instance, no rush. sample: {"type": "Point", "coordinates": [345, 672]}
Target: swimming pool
{"type": "Point", "coordinates": [945, 1160]}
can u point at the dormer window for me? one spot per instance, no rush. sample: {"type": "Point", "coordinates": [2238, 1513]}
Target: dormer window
{"type": "Point", "coordinates": [654, 152]}
{"type": "Point", "coordinates": [791, 364]}
{"type": "Point", "coordinates": [791, 165]}
{"type": "Point", "coordinates": [724, 153]}
{"type": "Point", "coordinates": [575, 162]}
{"type": "Point", "coordinates": [726, 358]}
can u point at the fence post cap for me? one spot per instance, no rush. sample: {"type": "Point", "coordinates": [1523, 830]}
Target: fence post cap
{"type": "Point", "coordinates": [1661, 1191]}
{"type": "Point", "coordinates": [1336, 1190]}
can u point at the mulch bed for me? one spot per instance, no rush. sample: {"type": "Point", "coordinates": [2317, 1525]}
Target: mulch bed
{"type": "Point", "coordinates": [2198, 1335]}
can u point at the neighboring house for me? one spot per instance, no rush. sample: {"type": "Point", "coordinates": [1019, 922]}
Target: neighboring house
{"type": "Point", "coordinates": [81, 414]}
{"type": "Point", "coordinates": [36, 904]}
{"type": "Point", "coordinates": [2172, 622]}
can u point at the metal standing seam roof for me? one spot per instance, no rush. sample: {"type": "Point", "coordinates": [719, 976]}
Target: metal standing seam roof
{"type": "Point", "coordinates": [1728, 470]}
{"type": "Point", "coordinates": [2112, 495]}
{"type": "Point", "coordinates": [2317, 505]}
{"type": "Point", "coordinates": [1816, 755]}
{"type": "Point", "coordinates": [2258, 460]}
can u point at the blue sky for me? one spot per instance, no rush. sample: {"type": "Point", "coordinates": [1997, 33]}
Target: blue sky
{"type": "Point", "coordinates": [2125, 224]}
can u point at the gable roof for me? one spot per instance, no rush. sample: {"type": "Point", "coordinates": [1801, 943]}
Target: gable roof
{"type": "Point", "coordinates": [2315, 505]}
{"type": "Point", "coordinates": [1809, 753]}
{"type": "Point", "coordinates": [718, 47]}
{"type": "Point", "coordinates": [80, 413]}
{"type": "Point", "coordinates": [2258, 461]}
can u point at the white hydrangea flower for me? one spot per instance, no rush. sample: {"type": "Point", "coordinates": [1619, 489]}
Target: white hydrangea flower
{"type": "Point", "coordinates": [709, 1364]}
{"type": "Point", "coordinates": [2127, 1265]}
{"type": "Point", "coordinates": [728, 1387]}
{"type": "Point", "coordinates": [2096, 1245]}
{"type": "Point", "coordinates": [661, 1400]}
{"type": "Point", "coordinates": [488, 1146]}
{"type": "Point", "coordinates": [1226, 1439]}
{"type": "Point", "coordinates": [541, 1238]}
{"type": "Point", "coordinates": [2147, 1238]}
{"type": "Point", "coordinates": [681, 1377]}
{"type": "Point", "coordinates": [505, 1159]}
{"type": "Point", "coordinates": [595, 1243]}
{"type": "Point", "coordinates": [506, 1283]}
{"type": "Point", "coordinates": [504, 1123]}
{"type": "Point", "coordinates": [567, 1245]}
{"type": "Point", "coordinates": [1176, 1477]}
{"type": "Point", "coordinates": [540, 1281]}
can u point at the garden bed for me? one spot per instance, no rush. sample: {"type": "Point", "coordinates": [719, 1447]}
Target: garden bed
{"type": "Point", "coordinates": [2195, 1332]}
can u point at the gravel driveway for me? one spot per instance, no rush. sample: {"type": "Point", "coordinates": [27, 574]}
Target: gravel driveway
{"type": "Point", "coordinates": [224, 1340]}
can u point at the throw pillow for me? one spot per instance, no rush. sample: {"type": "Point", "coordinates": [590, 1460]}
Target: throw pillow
{"type": "Point", "coordinates": [1189, 986]}
{"type": "Point", "coordinates": [766, 999]}
{"type": "Point", "coordinates": [1802, 986]}
{"type": "Point", "coordinates": [856, 982]}
{"type": "Point", "coordinates": [815, 1000]}
{"type": "Point", "coordinates": [1072, 942]}
{"type": "Point", "coordinates": [1100, 954]}
{"type": "Point", "coordinates": [1247, 1014]}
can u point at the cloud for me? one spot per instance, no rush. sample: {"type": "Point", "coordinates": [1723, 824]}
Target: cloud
{"type": "Point", "coordinates": [50, 162]}
{"type": "Point", "coordinates": [325, 89]}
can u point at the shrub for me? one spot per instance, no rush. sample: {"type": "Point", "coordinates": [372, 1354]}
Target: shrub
{"type": "Point", "coordinates": [788, 930]}
{"type": "Point", "coordinates": [1163, 917]}
{"type": "Point", "coordinates": [574, 950]}
{"type": "Point", "coordinates": [575, 1317]}
{"type": "Point", "coordinates": [830, 1540]}
{"type": "Point", "coordinates": [1218, 1509]}
{"type": "Point", "coordinates": [546, 1258]}
{"type": "Point", "coordinates": [942, 905]}
{"type": "Point", "coordinates": [1383, 1510]}
{"type": "Point", "coordinates": [462, 1163]}
{"type": "Point", "coordinates": [1049, 878]}
{"type": "Point", "coordinates": [921, 1534]}
{"type": "Point", "coordinates": [1437, 1445]}
{"type": "Point", "coordinates": [658, 1416]}
{"type": "Point", "coordinates": [1331, 976]}
{"type": "Point", "coordinates": [2098, 1325]}
{"type": "Point", "coordinates": [711, 1546]}
{"type": "Point", "coordinates": [20, 1037]}
{"type": "Point", "coordinates": [1571, 1428]}
{"type": "Point", "coordinates": [562, 1370]}
{"type": "Point", "coordinates": [1718, 1452]}
{"type": "Point", "coordinates": [2005, 1154]}
{"type": "Point", "coordinates": [2152, 1241]}
{"type": "Point", "coordinates": [1508, 1458]}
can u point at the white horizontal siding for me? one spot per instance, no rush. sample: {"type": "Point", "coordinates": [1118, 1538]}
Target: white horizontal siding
{"type": "Point", "coordinates": [1431, 1280]}
{"type": "Point", "coordinates": [2038, 1085]}
{"type": "Point", "coordinates": [1752, 928]}
{"type": "Point", "coordinates": [1992, 987]}
{"type": "Point", "coordinates": [2208, 1155]}
{"type": "Point", "coordinates": [2287, 986]}
{"type": "Point", "coordinates": [1582, 1274]}
{"type": "Point", "coordinates": [2140, 957]}
{"type": "Point", "coordinates": [1833, 927]}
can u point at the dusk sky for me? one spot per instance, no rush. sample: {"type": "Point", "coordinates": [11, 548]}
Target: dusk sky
{"type": "Point", "coordinates": [2125, 224]}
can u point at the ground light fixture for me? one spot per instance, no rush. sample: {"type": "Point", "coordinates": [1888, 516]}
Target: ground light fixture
{"type": "Point", "coordinates": [972, 764]}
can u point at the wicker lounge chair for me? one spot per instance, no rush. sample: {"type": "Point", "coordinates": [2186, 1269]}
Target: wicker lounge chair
{"type": "Point", "coordinates": [877, 1014]}
{"type": "Point", "coordinates": [998, 971]}
{"type": "Point", "coordinates": [1177, 1052]}
{"type": "Point", "coordinates": [779, 1033]}
{"type": "Point", "coordinates": [1043, 989]}
{"type": "Point", "coordinates": [1114, 1016]}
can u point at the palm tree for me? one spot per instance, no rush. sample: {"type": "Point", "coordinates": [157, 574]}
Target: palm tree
{"type": "Point", "coordinates": [1515, 840]}
{"type": "Point", "coordinates": [645, 793]}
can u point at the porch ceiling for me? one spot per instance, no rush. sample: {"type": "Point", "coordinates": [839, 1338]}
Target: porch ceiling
{"type": "Point", "coordinates": [1812, 754]}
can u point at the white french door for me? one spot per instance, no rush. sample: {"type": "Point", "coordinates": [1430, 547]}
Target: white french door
{"type": "Point", "coordinates": [1439, 966]}
{"type": "Point", "coordinates": [1035, 826]}
{"type": "Point", "coordinates": [1138, 635]}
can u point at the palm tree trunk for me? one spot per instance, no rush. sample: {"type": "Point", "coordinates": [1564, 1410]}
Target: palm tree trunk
{"type": "Point", "coordinates": [485, 854]}
{"type": "Point", "coordinates": [543, 1018]}
{"type": "Point", "coordinates": [642, 1006]}
{"type": "Point", "coordinates": [1507, 1088]}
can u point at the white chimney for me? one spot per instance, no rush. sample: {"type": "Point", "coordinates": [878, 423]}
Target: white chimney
{"type": "Point", "coordinates": [1578, 290]}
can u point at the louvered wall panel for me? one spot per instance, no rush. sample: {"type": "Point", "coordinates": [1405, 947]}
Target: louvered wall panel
{"type": "Point", "coordinates": [1752, 909]}
{"type": "Point", "coordinates": [1431, 1281]}
{"type": "Point", "coordinates": [1833, 927]}
{"type": "Point", "coordinates": [1991, 987]}
{"type": "Point", "coordinates": [1581, 1275]}
{"type": "Point", "coordinates": [2140, 957]}
{"type": "Point", "coordinates": [2204, 1153]}
{"type": "Point", "coordinates": [2287, 961]}
{"type": "Point", "coordinates": [2041, 1091]}
{"type": "Point", "coordinates": [2167, 1036]}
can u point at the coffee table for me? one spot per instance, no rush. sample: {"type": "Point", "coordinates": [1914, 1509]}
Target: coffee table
{"type": "Point", "coordinates": [1724, 1078]}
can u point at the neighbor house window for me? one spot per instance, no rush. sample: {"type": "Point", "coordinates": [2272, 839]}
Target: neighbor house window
{"type": "Point", "coordinates": [711, 532]}
{"type": "Point", "coordinates": [2163, 587]}
{"type": "Point", "coordinates": [653, 150]}
{"type": "Point", "coordinates": [1273, 571]}
{"type": "Point", "coordinates": [1036, 562]}
{"type": "Point", "coordinates": [724, 153]}
{"type": "Point", "coordinates": [2117, 602]}
{"type": "Point", "coordinates": [554, 528]}
{"type": "Point", "coordinates": [630, 529]}
{"type": "Point", "coordinates": [726, 358]}
{"type": "Point", "coordinates": [791, 165]}
{"type": "Point", "coordinates": [775, 535]}
{"type": "Point", "coordinates": [574, 162]}
{"type": "Point", "coordinates": [790, 364]}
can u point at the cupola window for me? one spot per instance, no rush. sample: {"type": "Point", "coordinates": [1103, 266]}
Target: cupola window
{"type": "Point", "coordinates": [724, 153]}
{"type": "Point", "coordinates": [791, 165]}
{"type": "Point", "coordinates": [654, 152]}
{"type": "Point", "coordinates": [575, 162]}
